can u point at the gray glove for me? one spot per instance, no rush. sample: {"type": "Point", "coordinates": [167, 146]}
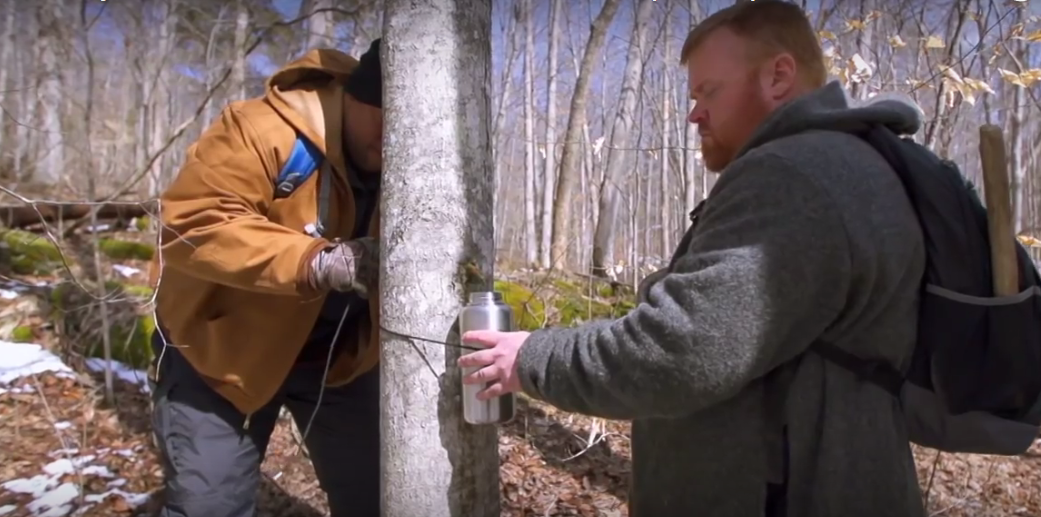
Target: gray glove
{"type": "Point", "coordinates": [347, 266]}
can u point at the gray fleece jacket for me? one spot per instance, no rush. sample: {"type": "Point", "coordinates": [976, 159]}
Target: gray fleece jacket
{"type": "Point", "coordinates": [807, 234]}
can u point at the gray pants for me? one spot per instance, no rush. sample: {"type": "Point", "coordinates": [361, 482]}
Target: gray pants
{"type": "Point", "coordinates": [212, 465]}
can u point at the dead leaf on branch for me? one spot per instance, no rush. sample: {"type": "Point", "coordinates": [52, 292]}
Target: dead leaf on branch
{"type": "Point", "coordinates": [1032, 37]}
{"type": "Point", "coordinates": [935, 42]}
{"type": "Point", "coordinates": [966, 87]}
{"type": "Point", "coordinates": [1025, 79]}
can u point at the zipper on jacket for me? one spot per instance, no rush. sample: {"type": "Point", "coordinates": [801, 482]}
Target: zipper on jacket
{"type": "Point", "coordinates": [245, 424]}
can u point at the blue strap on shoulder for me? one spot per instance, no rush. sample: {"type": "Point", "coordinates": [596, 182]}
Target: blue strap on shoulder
{"type": "Point", "coordinates": [302, 163]}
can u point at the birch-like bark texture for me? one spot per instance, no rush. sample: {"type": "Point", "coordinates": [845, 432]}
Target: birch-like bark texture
{"type": "Point", "coordinates": [436, 219]}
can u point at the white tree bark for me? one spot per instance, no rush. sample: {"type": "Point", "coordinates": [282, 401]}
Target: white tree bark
{"type": "Point", "coordinates": [621, 132]}
{"type": "Point", "coordinates": [531, 245]}
{"type": "Point", "coordinates": [436, 219]}
{"type": "Point", "coordinates": [52, 167]}
{"type": "Point", "coordinates": [321, 26]}
{"type": "Point", "coordinates": [550, 171]}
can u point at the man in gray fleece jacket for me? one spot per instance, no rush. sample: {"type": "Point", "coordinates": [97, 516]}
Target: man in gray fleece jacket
{"type": "Point", "coordinates": [807, 234]}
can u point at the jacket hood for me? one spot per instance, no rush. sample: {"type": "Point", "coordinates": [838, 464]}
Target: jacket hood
{"type": "Point", "coordinates": [308, 94]}
{"type": "Point", "coordinates": [829, 108]}
{"type": "Point", "coordinates": [318, 65]}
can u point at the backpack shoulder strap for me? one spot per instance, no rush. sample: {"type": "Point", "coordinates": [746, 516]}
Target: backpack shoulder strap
{"type": "Point", "coordinates": [879, 373]}
{"type": "Point", "coordinates": [302, 162]}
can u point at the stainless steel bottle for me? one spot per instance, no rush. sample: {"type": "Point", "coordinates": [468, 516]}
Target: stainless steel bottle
{"type": "Point", "coordinates": [485, 311]}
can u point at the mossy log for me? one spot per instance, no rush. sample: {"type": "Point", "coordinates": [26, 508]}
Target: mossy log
{"type": "Point", "coordinates": [126, 250]}
{"type": "Point", "coordinates": [27, 253]}
{"type": "Point", "coordinates": [76, 315]}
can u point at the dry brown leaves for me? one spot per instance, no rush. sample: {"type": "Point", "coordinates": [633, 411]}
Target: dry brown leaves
{"type": "Point", "coordinates": [553, 463]}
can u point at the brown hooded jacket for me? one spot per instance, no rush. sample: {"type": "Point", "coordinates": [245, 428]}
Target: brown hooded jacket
{"type": "Point", "coordinates": [231, 273]}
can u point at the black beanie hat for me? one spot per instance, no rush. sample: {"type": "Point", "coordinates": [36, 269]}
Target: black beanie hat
{"type": "Point", "coordinates": [366, 81]}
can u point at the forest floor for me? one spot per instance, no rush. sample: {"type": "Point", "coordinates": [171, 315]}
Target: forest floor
{"type": "Point", "coordinates": [64, 452]}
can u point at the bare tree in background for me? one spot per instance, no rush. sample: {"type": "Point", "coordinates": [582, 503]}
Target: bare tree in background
{"type": "Point", "coordinates": [52, 167]}
{"type": "Point", "coordinates": [525, 18]}
{"type": "Point", "coordinates": [570, 158]}
{"type": "Point", "coordinates": [550, 171]}
{"type": "Point", "coordinates": [437, 243]}
{"type": "Point", "coordinates": [621, 133]}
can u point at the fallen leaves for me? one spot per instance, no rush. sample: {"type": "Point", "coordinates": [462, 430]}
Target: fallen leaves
{"type": "Point", "coordinates": [552, 463]}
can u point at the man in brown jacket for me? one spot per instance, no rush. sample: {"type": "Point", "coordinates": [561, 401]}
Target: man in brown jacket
{"type": "Point", "coordinates": [263, 298]}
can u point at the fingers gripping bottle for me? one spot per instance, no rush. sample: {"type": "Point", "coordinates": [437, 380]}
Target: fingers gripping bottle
{"type": "Point", "coordinates": [486, 310]}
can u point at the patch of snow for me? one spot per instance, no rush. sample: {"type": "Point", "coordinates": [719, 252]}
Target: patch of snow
{"type": "Point", "coordinates": [126, 271]}
{"type": "Point", "coordinates": [63, 425]}
{"type": "Point", "coordinates": [24, 359]}
{"type": "Point", "coordinates": [132, 499]}
{"type": "Point", "coordinates": [8, 294]}
{"type": "Point", "coordinates": [55, 503]}
{"type": "Point", "coordinates": [100, 471]}
{"type": "Point", "coordinates": [121, 371]}
{"type": "Point", "coordinates": [67, 466]}
{"type": "Point", "coordinates": [52, 498]}
{"type": "Point", "coordinates": [126, 453]}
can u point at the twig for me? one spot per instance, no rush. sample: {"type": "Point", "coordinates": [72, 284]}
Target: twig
{"type": "Point", "coordinates": [53, 419]}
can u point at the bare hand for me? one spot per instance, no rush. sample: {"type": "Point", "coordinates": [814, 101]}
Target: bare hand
{"type": "Point", "coordinates": [497, 363]}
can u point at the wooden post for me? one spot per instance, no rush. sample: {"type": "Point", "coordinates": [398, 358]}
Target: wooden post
{"type": "Point", "coordinates": [1004, 264]}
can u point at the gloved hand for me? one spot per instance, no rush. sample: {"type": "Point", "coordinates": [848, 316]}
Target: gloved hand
{"type": "Point", "coordinates": [347, 266]}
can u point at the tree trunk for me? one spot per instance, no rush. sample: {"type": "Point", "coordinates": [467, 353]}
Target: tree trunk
{"type": "Point", "coordinates": [665, 209]}
{"type": "Point", "coordinates": [238, 74]}
{"type": "Point", "coordinates": [530, 242]}
{"type": "Point", "coordinates": [321, 26]}
{"type": "Point", "coordinates": [621, 132]}
{"type": "Point", "coordinates": [570, 158]}
{"type": "Point", "coordinates": [550, 171]}
{"type": "Point", "coordinates": [7, 49]}
{"type": "Point", "coordinates": [52, 167]}
{"type": "Point", "coordinates": [436, 218]}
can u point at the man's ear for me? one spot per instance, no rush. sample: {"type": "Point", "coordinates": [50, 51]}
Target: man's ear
{"type": "Point", "coordinates": [782, 75]}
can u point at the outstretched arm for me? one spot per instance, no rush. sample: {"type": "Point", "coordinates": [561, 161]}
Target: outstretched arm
{"type": "Point", "coordinates": [765, 274]}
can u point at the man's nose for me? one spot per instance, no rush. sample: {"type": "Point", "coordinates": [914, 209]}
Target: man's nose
{"type": "Point", "coordinates": [696, 115]}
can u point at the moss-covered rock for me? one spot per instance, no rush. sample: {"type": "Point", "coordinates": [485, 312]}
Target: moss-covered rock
{"type": "Point", "coordinates": [529, 312]}
{"type": "Point", "coordinates": [76, 315]}
{"type": "Point", "coordinates": [142, 224]}
{"type": "Point", "coordinates": [562, 302]}
{"type": "Point", "coordinates": [23, 334]}
{"type": "Point", "coordinates": [126, 250]}
{"type": "Point", "coordinates": [27, 253]}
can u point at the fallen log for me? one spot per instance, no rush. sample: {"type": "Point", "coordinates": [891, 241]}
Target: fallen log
{"type": "Point", "coordinates": [24, 215]}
